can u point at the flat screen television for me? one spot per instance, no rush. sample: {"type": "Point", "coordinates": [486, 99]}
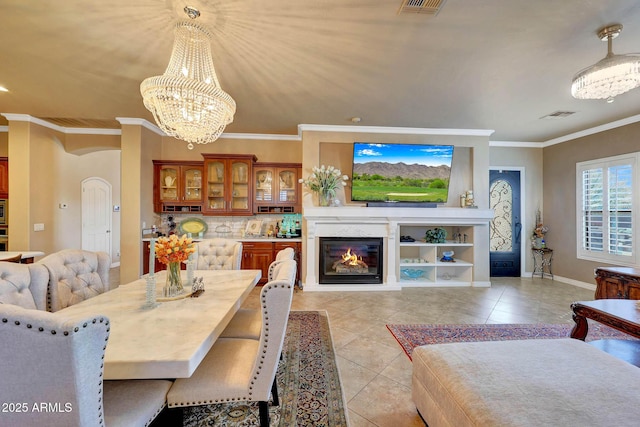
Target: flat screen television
{"type": "Point", "coordinates": [408, 173]}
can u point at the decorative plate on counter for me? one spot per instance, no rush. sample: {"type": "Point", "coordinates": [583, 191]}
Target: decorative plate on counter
{"type": "Point", "coordinates": [193, 226]}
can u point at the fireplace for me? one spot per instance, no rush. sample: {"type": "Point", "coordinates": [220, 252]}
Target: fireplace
{"type": "Point", "coordinates": [347, 260]}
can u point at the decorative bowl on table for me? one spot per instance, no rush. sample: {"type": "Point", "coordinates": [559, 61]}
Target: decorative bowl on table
{"type": "Point", "coordinates": [411, 273]}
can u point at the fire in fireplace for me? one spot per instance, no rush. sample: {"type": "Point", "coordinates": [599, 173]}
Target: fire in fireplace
{"type": "Point", "coordinates": [346, 260]}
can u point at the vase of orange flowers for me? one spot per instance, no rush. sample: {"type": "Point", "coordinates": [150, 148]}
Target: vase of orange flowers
{"type": "Point", "coordinates": [172, 251]}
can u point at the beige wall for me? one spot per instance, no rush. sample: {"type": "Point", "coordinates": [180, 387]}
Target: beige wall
{"type": "Point", "coordinates": [335, 148]}
{"type": "Point", "coordinates": [42, 175]}
{"type": "Point", "coordinates": [282, 151]}
{"type": "Point", "coordinates": [529, 160]}
{"type": "Point", "coordinates": [559, 191]}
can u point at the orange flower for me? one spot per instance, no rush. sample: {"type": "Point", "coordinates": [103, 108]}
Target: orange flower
{"type": "Point", "coordinates": [174, 248]}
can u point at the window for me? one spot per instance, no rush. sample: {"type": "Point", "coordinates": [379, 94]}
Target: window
{"type": "Point", "coordinates": [606, 210]}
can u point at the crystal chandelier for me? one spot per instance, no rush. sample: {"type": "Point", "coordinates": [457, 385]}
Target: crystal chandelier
{"type": "Point", "coordinates": [611, 76]}
{"type": "Point", "coordinates": [187, 101]}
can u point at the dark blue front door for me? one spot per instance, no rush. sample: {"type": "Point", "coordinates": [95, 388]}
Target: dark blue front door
{"type": "Point", "coordinates": [506, 227]}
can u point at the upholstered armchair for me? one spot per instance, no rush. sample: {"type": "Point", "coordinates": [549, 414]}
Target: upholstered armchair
{"type": "Point", "coordinates": [247, 322]}
{"type": "Point", "coordinates": [52, 359]}
{"type": "Point", "coordinates": [75, 275]}
{"type": "Point", "coordinates": [24, 285]}
{"type": "Point", "coordinates": [218, 254]}
{"type": "Point", "coordinates": [237, 369]}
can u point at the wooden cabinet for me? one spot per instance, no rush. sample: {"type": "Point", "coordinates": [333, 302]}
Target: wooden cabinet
{"type": "Point", "coordinates": [257, 256]}
{"type": "Point", "coordinates": [228, 184]}
{"type": "Point", "coordinates": [617, 283]}
{"type": "Point", "coordinates": [177, 186]}
{"type": "Point", "coordinates": [276, 187]}
{"type": "Point", "coordinates": [4, 177]}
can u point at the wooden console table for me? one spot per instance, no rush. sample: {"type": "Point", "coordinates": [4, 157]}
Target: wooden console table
{"type": "Point", "coordinates": [618, 283]}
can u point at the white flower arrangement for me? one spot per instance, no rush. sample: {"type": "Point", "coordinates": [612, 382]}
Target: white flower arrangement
{"type": "Point", "coordinates": [325, 180]}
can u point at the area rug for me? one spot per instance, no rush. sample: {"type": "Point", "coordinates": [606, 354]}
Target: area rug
{"type": "Point", "coordinates": [411, 336]}
{"type": "Point", "coordinates": [308, 383]}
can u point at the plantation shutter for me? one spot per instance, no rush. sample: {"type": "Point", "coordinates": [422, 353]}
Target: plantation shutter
{"type": "Point", "coordinates": [592, 210]}
{"type": "Point", "coordinates": [620, 209]}
{"type": "Point", "coordinates": [606, 209]}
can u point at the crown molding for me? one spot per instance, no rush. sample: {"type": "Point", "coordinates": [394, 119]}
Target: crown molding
{"type": "Point", "coordinates": [515, 144]}
{"type": "Point", "coordinates": [57, 128]}
{"type": "Point", "coordinates": [591, 131]}
{"type": "Point", "coordinates": [397, 130]}
{"type": "Point", "coordinates": [262, 136]}
{"type": "Point", "coordinates": [141, 122]}
{"type": "Point", "coordinates": [328, 128]}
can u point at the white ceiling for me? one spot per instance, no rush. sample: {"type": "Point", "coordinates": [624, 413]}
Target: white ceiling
{"type": "Point", "coordinates": [478, 64]}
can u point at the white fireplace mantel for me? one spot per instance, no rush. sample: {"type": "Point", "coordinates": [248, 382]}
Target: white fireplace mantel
{"type": "Point", "coordinates": [385, 222]}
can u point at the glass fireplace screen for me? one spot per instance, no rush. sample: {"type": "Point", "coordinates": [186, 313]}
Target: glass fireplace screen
{"type": "Point", "coordinates": [347, 260]}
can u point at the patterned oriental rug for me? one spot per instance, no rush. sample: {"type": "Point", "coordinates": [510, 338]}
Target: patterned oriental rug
{"type": "Point", "coordinates": [308, 383]}
{"type": "Point", "coordinates": [411, 336]}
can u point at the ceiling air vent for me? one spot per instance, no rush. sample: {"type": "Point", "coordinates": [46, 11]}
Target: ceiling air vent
{"type": "Point", "coordinates": [429, 7]}
{"type": "Point", "coordinates": [558, 115]}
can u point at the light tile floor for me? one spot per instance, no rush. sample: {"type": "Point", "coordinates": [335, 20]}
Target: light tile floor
{"type": "Point", "coordinates": [375, 372]}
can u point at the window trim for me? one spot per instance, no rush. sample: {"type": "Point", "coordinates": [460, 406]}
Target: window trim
{"type": "Point", "coordinates": [605, 163]}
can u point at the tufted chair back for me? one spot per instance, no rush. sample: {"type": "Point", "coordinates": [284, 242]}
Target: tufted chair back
{"type": "Point", "coordinates": [49, 358]}
{"type": "Point", "coordinates": [75, 275]}
{"type": "Point", "coordinates": [53, 359]}
{"type": "Point", "coordinates": [218, 254]}
{"type": "Point", "coordinates": [24, 285]}
{"type": "Point", "coordinates": [282, 255]}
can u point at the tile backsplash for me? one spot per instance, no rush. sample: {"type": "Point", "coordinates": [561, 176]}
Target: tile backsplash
{"type": "Point", "coordinates": [221, 226]}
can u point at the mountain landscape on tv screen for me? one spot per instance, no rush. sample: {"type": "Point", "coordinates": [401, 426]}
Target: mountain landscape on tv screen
{"type": "Point", "coordinates": [392, 170]}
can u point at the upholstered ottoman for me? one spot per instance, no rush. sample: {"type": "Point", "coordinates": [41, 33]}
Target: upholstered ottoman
{"type": "Point", "coordinates": [546, 382]}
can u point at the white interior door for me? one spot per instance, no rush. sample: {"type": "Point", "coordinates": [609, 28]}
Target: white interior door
{"type": "Point", "coordinates": [96, 215]}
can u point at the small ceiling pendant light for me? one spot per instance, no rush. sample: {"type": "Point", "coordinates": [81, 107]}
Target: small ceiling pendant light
{"type": "Point", "coordinates": [187, 101]}
{"type": "Point", "coordinates": [611, 76]}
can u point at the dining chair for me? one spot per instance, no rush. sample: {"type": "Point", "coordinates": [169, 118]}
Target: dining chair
{"type": "Point", "coordinates": [218, 254]}
{"type": "Point", "coordinates": [52, 369]}
{"type": "Point", "coordinates": [75, 275]}
{"type": "Point", "coordinates": [247, 322]}
{"type": "Point", "coordinates": [24, 285]}
{"type": "Point", "coordinates": [282, 255]}
{"type": "Point", "coordinates": [238, 369]}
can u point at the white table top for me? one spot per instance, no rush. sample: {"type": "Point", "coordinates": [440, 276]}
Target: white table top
{"type": "Point", "coordinates": [171, 340]}
{"type": "Point", "coordinates": [25, 254]}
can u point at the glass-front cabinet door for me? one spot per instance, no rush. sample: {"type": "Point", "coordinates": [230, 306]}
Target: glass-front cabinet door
{"type": "Point", "coordinates": [240, 185]}
{"type": "Point", "coordinates": [192, 184]}
{"type": "Point", "coordinates": [263, 185]}
{"type": "Point", "coordinates": [215, 185]}
{"type": "Point", "coordinates": [169, 181]}
{"type": "Point", "coordinates": [229, 184]}
{"type": "Point", "coordinates": [287, 185]}
{"type": "Point", "coordinates": [177, 186]}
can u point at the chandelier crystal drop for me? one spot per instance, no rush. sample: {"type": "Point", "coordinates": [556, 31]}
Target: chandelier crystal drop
{"type": "Point", "coordinates": [611, 76]}
{"type": "Point", "coordinates": [187, 101]}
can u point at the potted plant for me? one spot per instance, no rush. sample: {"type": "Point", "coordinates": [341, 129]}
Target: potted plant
{"type": "Point", "coordinates": [436, 235]}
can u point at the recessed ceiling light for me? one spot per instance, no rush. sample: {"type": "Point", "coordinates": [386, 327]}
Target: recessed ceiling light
{"type": "Point", "coordinates": [3, 89]}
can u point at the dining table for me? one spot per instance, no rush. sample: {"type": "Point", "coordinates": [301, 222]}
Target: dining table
{"type": "Point", "coordinates": [171, 339]}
